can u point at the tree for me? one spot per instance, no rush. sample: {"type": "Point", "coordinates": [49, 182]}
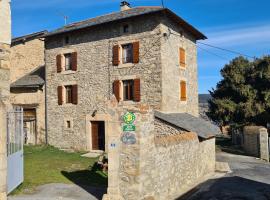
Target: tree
{"type": "Point", "coordinates": [242, 97]}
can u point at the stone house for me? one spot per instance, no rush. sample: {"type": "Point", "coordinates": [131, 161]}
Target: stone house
{"type": "Point", "coordinates": [27, 83]}
{"type": "Point", "coordinates": [145, 55]}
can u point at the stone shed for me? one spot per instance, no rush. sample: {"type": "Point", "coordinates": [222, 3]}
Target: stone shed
{"type": "Point", "coordinates": [165, 155]}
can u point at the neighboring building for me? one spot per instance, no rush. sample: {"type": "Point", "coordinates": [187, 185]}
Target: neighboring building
{"type": "Point", "coordinates": [28, 84]}
{"type": "Point", "coordinates": [204, 106]}
{"type": "Point", "coordinates": [142, 54]}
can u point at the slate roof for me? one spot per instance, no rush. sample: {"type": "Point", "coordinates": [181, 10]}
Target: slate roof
{"type": "Point", "coordinates": [133, 12]}
{"type": "Point", "coordinates": [31, 36]}
{"type": "Point", "coordinates": [34, 79]}
{"type": "Point", "coordinates": [190, 123]}
{"type": "Point", "coordinates": [204, 98]}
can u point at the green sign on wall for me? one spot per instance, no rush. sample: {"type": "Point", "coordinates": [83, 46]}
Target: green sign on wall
{"type": "Point", "coordinates": [129, 127]}
{"type": "Point", "coordinates": [129, 118]}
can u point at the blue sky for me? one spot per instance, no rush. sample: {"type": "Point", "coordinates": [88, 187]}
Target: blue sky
{"type": "Point", "coordinates": [240, 25]}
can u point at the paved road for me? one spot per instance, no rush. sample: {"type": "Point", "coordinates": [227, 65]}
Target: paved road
{"type": "Point", "coordinates": [63, 192]}
{"type": "Point", "coordinates": [250, 180]}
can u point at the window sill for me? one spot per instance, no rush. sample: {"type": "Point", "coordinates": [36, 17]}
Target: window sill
{"type": "Point", "coordinates": [126, 65]}
{"type": "Point", "coordinates": [127, 102]}
{"type": "Point", "coordinates": [182, 68]}
{"type": "Point", "coordinates": [68, 105]}
{"type": "Point", "coordinates": [68, 72]}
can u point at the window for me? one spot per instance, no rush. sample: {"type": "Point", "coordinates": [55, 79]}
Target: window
{"type": "Point", "coordinates": [126, 28]}
{"type": "Point", "coordinates": [127, 53]}
{"type": "Point", "coordinates": [128, 90]}
{"type": "Point", "coordinates": [68, 94]}
{"type": "Point", "coordinates": [68, 62]}
{"type": "Point", "coordinates": [182, 57]}
{"type": "Point", "coordinates": [183, 90]}
{"type": "Point", "coordinates": [67, 40]}
{"type": "Point", "coordinates": [68, 124]}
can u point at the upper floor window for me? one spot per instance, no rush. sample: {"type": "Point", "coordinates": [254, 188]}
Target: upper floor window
{"type": "Point", "coordinates": [67, 40]}
{"type": "Point", "coordinates": [68, 62]}
{"type": "Point", "coordinates": [126, 28]}
{"type": "Point", "coordinates": [127, 90]}
{"type": "Point", "coordinates": [183, 90]}
{"type": "Point", "coordinates": [182, 57]}
{"type": "Point", "coordinates": [127, 53]}
{"type": "Point", "coordinates": [68, 89]}
{"type": "Point", "coordinates": [67, 94]}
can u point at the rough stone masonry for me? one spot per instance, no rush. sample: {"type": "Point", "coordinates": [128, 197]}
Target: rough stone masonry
{"type": "Point", "coordinates": [5, 40]}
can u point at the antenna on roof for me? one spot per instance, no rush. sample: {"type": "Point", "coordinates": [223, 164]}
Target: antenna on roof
{"type": "Point", "coordinates": [64, 16]}
{"type": "Point", "coordinates": [162, 3]}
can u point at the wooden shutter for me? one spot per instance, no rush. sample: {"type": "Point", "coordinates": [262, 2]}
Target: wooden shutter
{"type": "Point", "coordinates": [116, 89]}
{"type": "Point", "coordinates": [182, 57]}
{"type": "Point", "coordinates": [116, 55]}
{"type": "Point", "coordinates": [74, 62]}
{"type": "Point", "coordinates": [75, 94]}
{"type": "Point", "coordinates": [136, 52]}
{"type": "Point", "coordinates": [60, 95]}
{"type": "Point", "coordinates": [137, 90]}
{"type": "Point", "coordinates": [59, 63]}
{"type": "Point", "coordinates": [183, 91]}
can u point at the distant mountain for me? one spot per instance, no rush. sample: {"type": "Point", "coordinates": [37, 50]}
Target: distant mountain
{"type": "Point", "coordinates": [203, 98]}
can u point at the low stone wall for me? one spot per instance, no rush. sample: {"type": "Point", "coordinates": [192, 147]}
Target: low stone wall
{"type": "Point", "coordinates": [178, 163]}
{"type": "Point", "coordinates": [158, 166]}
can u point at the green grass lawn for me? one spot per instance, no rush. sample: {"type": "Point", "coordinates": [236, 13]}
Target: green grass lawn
{"type": "Point", "coordinates": [45, 164]}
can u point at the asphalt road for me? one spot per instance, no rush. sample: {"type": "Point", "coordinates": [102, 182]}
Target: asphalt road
{"type": "Point", "coordinates": [250, 180]}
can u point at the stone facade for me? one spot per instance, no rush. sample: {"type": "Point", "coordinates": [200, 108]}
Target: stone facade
{"type": "Point", "coordinates": [157, 69]}
{"type": "Point", "coordinates": [26, 57]}
{"type": "Point", "coordinates": [159, 166]}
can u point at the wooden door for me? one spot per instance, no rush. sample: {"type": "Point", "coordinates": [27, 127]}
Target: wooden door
{"type": "Point", "coordinates": [95, 145]}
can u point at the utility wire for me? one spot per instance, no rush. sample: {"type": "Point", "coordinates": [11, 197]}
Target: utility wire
{"type": "Point", "coordinates": [162, 3]}
{"type": "Point", "coordinates": [220, 48]}
{"type": "Point", "coordinates": [231, 51]}
{"type": "Point", "coordinates": [213, 53]}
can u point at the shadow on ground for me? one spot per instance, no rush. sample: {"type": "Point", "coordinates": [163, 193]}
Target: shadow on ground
{"type": "Point", "coordinates": [229, 188]}
{"type": "Point", "coordinates": [93, 180]}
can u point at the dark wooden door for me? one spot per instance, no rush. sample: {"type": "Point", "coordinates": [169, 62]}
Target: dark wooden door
{"type": "Point", "coordinates": [98, 135]}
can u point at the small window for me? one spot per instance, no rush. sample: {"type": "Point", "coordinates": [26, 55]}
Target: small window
{"type": "Point", "coordinates": [67, 40]}
{"type": "Point", "coordinates": [128, 90]}
{"type": "Point", "coordinates": [126, 28]}
{"type": "Point", "coordinates": [68, 124]}
{"type": "Point", "coordinates": [68, 94]}
{"type": "Point", "coordinates": [182, 57]}
{"type": "Point", "coordinates": [127, 53]}
{"type": "Point", "coordinates": [68, 62]}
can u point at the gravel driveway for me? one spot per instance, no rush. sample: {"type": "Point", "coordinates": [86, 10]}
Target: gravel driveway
{"type": "Point", "coordinates": [250, 180]}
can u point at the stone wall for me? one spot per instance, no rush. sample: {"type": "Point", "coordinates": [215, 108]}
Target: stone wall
{"type": "Point", "coordinates": [256, 142]}
{"type": "Point", "coordinates": [172, 73]}
{"type": "Point", "coordinates": [159, 166]}
{"type": "Point", "coordinates": [25, 58]}
{"type": "Point", "coordinates": [96, 74]}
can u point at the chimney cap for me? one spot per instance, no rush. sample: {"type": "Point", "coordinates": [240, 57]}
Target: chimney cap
{"type": "Point", "coordinates": [124, 3]}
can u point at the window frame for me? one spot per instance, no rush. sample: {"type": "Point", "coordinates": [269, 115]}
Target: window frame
{"type": "Point", "coordinates": [127, 59]}
{"type": "Point", "coordinates": [68, 96]}
{"type": "Point", "coordinates": [183, 98]}
{"type": "Point", "coordinates": [128, 90]}
{"type": "Point", "coordinates": [183, 65]}
{"type": "Point", "coordinates": [68, 56]}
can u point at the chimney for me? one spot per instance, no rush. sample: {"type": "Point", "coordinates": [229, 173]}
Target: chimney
{"type": "Point", "coordinates": [124, 6]}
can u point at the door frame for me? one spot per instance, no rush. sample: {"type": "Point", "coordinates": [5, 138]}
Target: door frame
{"type": "Point", "coordinates": [88, 131]}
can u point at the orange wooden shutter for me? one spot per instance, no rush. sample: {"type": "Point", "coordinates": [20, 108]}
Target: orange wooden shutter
{"type": "Point", "coordinates": [136, 52]}
{"type": "Point", "coordinates": [74, 61]}
{"type": "Point", "coordinates": [116, 89]}
{"type": "Point", "coordinates": [59, 63]}
{"type": "Point", "coordinates": [183, 91]}
{"type": "Point", "coordinates": [137, 90]}
{"type": "Point", "coordinates": [116, 55]}
{"type": "Point", "coordinates": [60, 95]}
{"type": "Point", "coordinates": [75, 94]}
{"type": "Point", "coordinates": [182, 57]}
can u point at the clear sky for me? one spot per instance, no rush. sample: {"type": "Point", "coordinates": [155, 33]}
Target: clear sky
{"type": "Point", "coordinates": [240, 25]}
